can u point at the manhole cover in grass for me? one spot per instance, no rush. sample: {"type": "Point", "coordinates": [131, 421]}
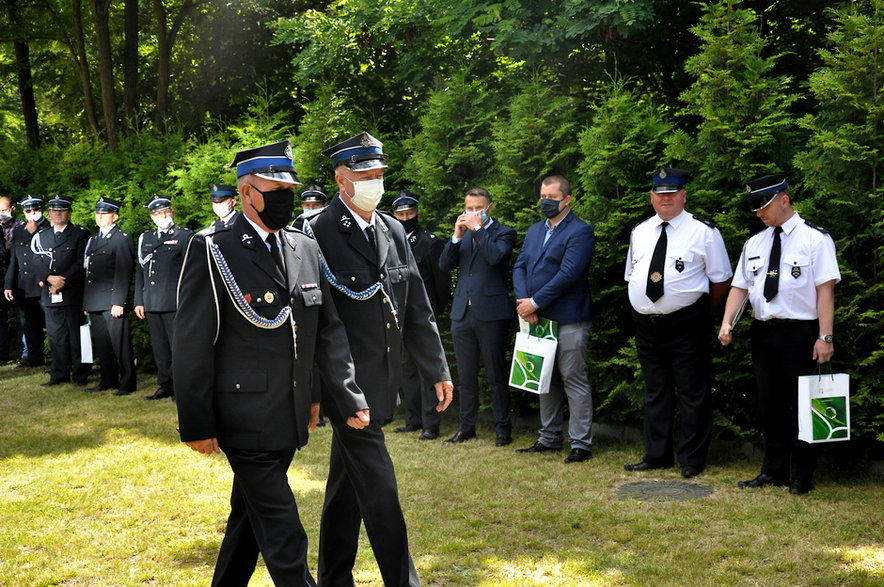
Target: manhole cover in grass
{"type": "Point", "coordinates": [663, 491]}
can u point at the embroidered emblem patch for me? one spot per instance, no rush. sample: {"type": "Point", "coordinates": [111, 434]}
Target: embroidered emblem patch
{"type": "Point", "coordinates": [796, 272]}
{"type": "Point", "coordinates": [679, 265]}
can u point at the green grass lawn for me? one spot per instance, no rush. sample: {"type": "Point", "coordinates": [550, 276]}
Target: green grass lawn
{"type": "Point", "coordinates": [97, 490]}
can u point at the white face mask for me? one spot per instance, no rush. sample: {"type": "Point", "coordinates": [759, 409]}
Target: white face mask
{"type": "Point", "coordinates": [163, 223]}
{"type": "Point", "coordinates": [34, 216]}
{"type": "Point", "coordinates": [368, 193]}
{"type": "Point", "coordinates": [311, 213]}
{"type": "Point", "coordinates": [5, 217]}
{"type": "Point", "coordinates": [222, 209]}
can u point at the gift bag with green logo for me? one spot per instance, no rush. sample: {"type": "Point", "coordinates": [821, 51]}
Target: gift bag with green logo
{"type": "Point", "coordinates": [534, 356]}
{"type": "Point", "coordinates": [824, 407]}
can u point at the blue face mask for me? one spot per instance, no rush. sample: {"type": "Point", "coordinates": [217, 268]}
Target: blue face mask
{"type": "Point", "coordinates": [477, 212]}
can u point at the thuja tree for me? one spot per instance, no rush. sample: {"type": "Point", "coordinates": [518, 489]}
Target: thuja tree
{"type": "Point", "coordinates": [842, 177]}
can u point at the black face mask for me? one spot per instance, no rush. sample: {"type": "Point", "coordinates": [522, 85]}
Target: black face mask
{"type": "Point", "coordinates": [278, 208]}
{"type": "Point", "coordinates": [409, 225]}
{"type": "Point", "coordinates": [550, 208]}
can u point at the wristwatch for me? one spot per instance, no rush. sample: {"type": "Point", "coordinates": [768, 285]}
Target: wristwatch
{"type": "Point", "coordinates": [828, 338]}
{"type": "Point", "coordinates": [476, 228]}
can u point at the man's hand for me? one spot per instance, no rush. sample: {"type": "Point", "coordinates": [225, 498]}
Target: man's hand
{"type": "Point", "coordinates": [56, 283]}
{"type": "Point", "coordinates": [7, 293]}
{"type": "Point", "coordinates": [460, 226]}
{"type": "Point", "coordinates": [526, 311]}
{"type": "Point", "coordinates": [444, 393]}
{"type": "Point", "coordinates": [31, 226]}
{"type": "Point", "coordinates": [206, 447]}
{"type": "Point", "coordinates": [139, 311]}
{"type": "Point", "coordinates": [724, 334]}
{"type": "Point", "coordinates": [359, 420]}
{"type": "Point", "coordinates": [314, 416]}
{"type": "Point", "coordinates": [116, 311]}
{"type": "Point", "coordinates": [823, 351]}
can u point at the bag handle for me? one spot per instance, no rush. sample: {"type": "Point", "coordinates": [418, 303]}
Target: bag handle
{"type": "Point", "coordinates": [819, 370]}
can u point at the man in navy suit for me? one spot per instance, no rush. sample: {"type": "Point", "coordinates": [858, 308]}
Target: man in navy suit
{"type": "Point", "coordinates": [481, 311]}
{"type": "Point", "coordinates": [550, 279]}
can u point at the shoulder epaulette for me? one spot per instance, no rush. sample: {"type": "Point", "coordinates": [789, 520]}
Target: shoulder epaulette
{"type": "Point", "coordinates": [705, 221]}
{"type": "Point", "coordinates": [816, 227]}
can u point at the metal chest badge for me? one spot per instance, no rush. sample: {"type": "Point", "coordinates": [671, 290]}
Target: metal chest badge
{"type": "Point", "coordinates": [269, 297]}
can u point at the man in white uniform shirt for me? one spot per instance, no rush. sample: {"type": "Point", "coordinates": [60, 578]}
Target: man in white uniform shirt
{"type": "Point", "coordinates": [789, 271]}
{"type": "Point", "coordinates": [678, 270]}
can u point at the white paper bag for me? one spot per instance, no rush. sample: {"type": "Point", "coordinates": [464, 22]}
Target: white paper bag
{"type": "Point", "coordinates": [533, 362]}
{"type": "Point", "coordinates": [85, 344]}
{"type": "Point", "coordinates": [824, 407]}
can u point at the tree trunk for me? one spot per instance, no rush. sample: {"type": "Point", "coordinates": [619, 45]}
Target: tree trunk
{"type": "Point", "coordinates": [100, 9]}
{"type": "Point", "coordinates": [78, 53]}
{"type": "Point", "coordinates": [165, 42]}
{"type": "Point", "coordinates": [25, 85]}
{"type": "Point", "coordinates": [130, 63]}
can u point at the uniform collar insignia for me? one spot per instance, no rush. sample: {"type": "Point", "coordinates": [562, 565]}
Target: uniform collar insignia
{"type": "Point", "coordinates": [248, 241]}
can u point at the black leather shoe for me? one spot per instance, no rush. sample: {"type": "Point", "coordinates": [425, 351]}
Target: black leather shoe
{"type": "Point", "coordinates": [461, 437]}
{"type": "Point", "coordinates": [95, 389]}
{"type": "Point", "coordinates": [799, 487]}
{"type": "Point", "coordinates": [644, 466]}
{"type": "Point", "coordinates": [52, 382]}
{"type": "Point", "coordinates": [688, 471]}
{"type": "Point", "coordinates": [429, 435]}
{"type": "Point", "coordinates": [160, 394]}
{"type": "Point", "coordinates": [537, 447]}
{"type": "Point", "coordinates": [761, 481]}
{"type": "Point", "coordinates": [503, 440]}
{"type": "Point", "coordinates": [407, 428]}
{"type": "Point", "coordinates": [578, 455]}
{"type": "Point", "coordinates": [124, 391]}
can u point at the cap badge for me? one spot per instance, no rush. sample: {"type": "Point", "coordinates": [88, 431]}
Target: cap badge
{"type": "Point", "coordinates": [288, 151]}
{"type": "Point", "coordinates": [365, 141]}
{"type": "Point", "coordinates": [662, 174]}
{"type": "Point", "coordinates": [268, 297]}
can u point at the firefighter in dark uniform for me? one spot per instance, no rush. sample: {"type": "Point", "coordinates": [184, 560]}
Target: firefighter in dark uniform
{"type": "Point", "coordinates": [223, 198]}
{"type": "Point", "coordinates": [160, 256]}
{"type": "Point", "coordinates": [419, 397]}
{"type": "Point", "coordinates": [378, 292]}
{"type": "Point", "coordinates": [253, 314]}
{"type": "Point", "coordinates": [788, 271]}
{"type": "Point", "coordinates": [110, 262]}
{"type": "Point", "coordinates": [313, 201]}
{"type": "Point", "coordinates": [58, 265]}
{"type": "Point", "coordinates": [20, 283]}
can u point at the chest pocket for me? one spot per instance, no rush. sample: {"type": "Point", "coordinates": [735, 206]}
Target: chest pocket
{"type": "Point", "coordinates": [796, 266]}
{"type": "Point", "coordinates": [266, 302]}
{"type": "Point", "coordinates": [358, 278]}
{"type": "Point", "coordinates": [398, 274]}
{"type": "Point", "coordinates": [312, 297]}
{"type": "Point", "coordinates": [681, 255]}
{"type": "Point", "coordinates": [756, 264]}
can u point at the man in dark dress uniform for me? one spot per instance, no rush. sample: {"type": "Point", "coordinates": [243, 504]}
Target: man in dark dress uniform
{"type": "Point", "coordinates": [20, 284]}
{"type": "Point", "coordinates": [110, 261]}
{"type": "Point", "coordinates": [313, 200]}
{"type": "Point", "coordinates": [379, 294]}
{"type": "Point", "coordinates": [223, 198]}
{"type": "Point", "coordinates": [419, 397]}
{"type": "Point", "coordinates": [160, 256]}
{"type": "Point", "coordinates": [254, 312]}
{"type": "Point", "coordinates": [58, 264]}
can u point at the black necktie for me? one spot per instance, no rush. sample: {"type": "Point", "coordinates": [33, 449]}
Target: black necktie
{"type": "Point", "coordinates": [57, 234]}
{"type": "Point", "coordinates": [369, 233]}
{"type": "Point", "coordinates": [654, 289]}
{"type": "Point", "coordinates": [275, 252]}
{"type": "Point", "coordinates": [772, 282]}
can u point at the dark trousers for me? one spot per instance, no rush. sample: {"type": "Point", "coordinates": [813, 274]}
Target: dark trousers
{"type": "Point", "coordinates": [162, 329]}
{"type": "Point", "coordinates": [781, 351]}
{"type": "Point", "coordinates": [419, 398]}
{"type": "Point", "coordinates": [6, 333]}
{"type": "Point", "coordinates": [673, 350]}
{"type": "Point", "coordinates": [112, 344]}
{"type": "Point", "coordinates": [63, 331]}
{"type": "Point", "coordinates": [362, 487]}
{"type": "Point", "coordinates": [473, 339]}
{"type": "Point", "coordinates": [263, 518]}
{"type": "Point", "coordinates": [31, 321]}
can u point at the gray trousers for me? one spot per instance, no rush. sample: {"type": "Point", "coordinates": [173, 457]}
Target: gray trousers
{"type": "Point", "coordinates": [569, 381]}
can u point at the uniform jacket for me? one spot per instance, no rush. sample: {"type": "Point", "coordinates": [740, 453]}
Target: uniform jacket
{"type": "Point", "coordinates": [20, 274]}
{"type": "Point", "coordinates": [109, 264]}
{"type": "Point", "coordinates": [427, 249]}
{"type": "Point", "coordinates": [61, 257]}
{"type": "Point", "coordinates": [237, 381]}
{"type": "Point", "coordinates": [159, 266]}
{"type": "Point", "coordinates": [376, 341]}
{"type": "Point", "coordinates": [484, 260]}
{"type": "Point", "coordinates": [555, 275]}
